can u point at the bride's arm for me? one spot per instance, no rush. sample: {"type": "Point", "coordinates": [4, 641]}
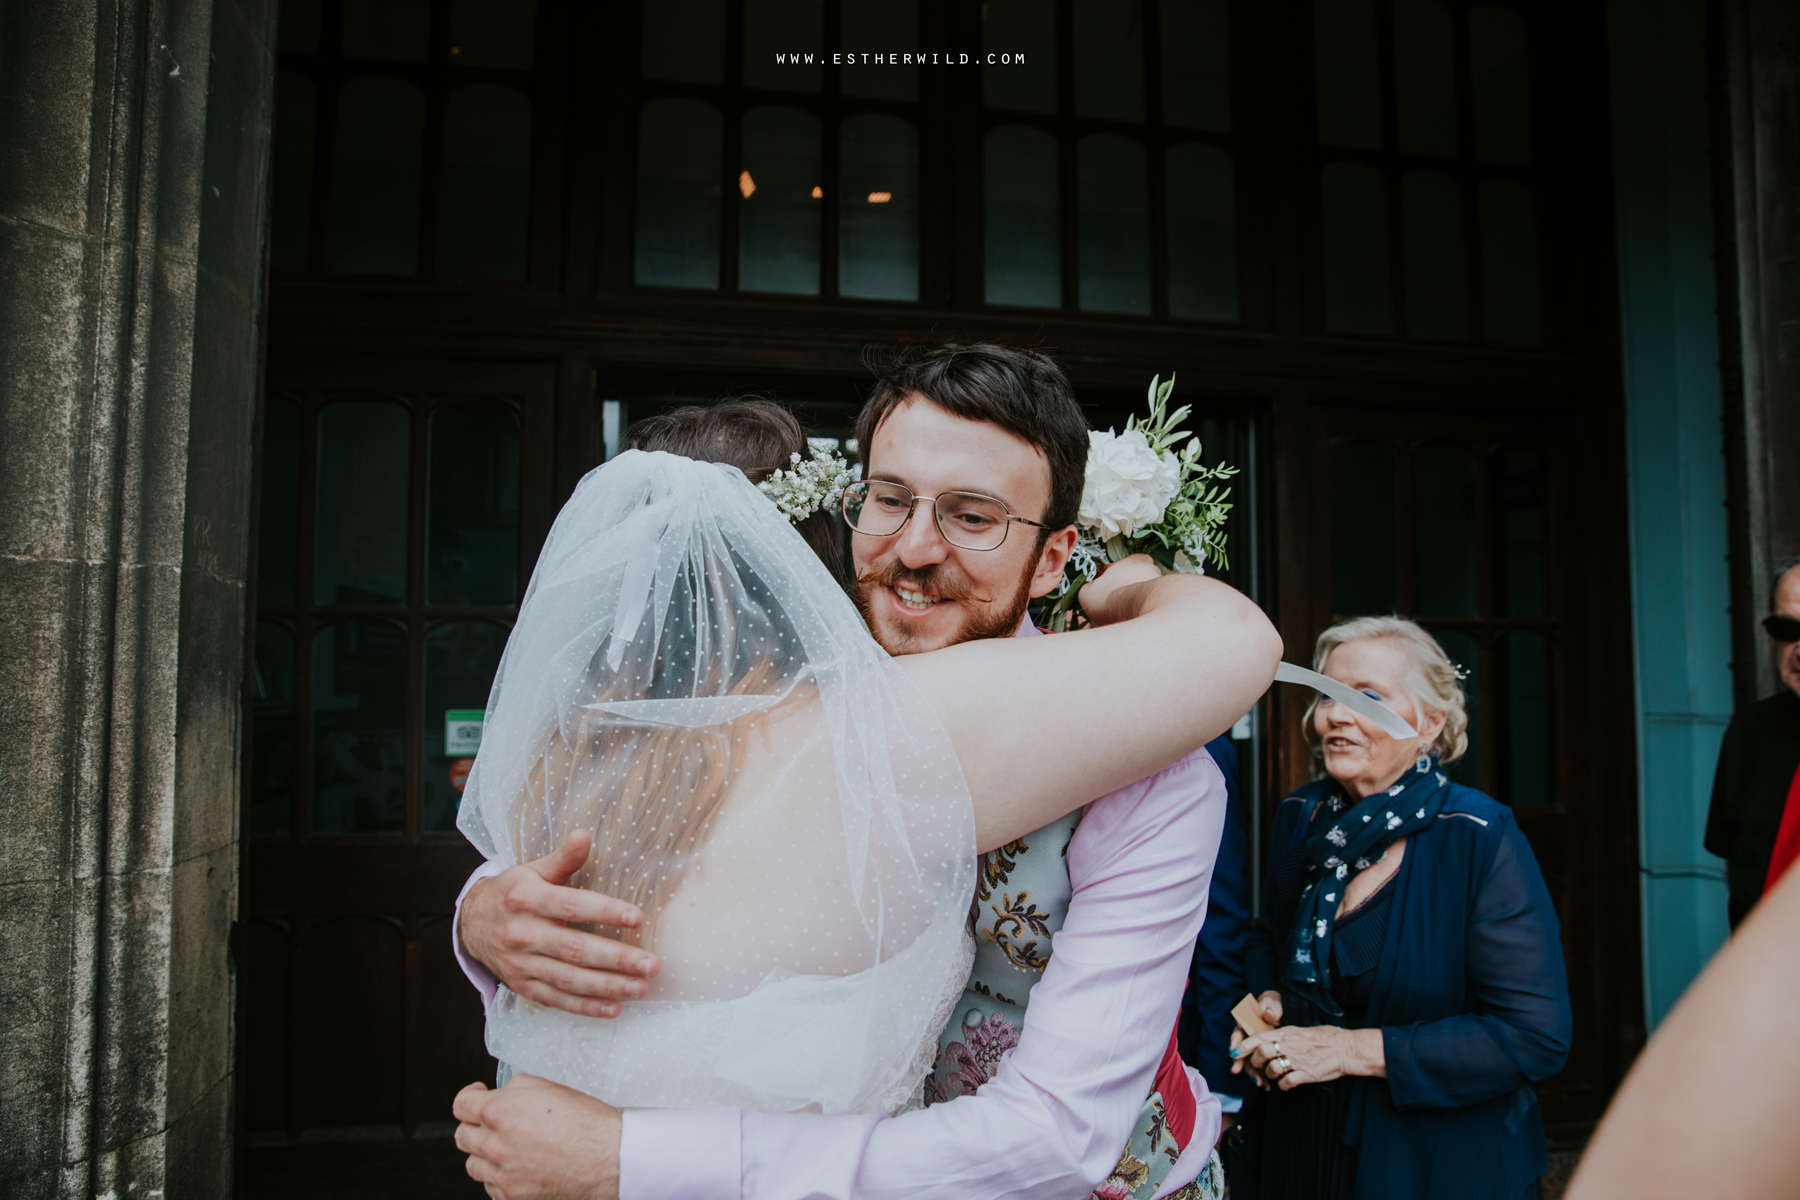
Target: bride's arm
{"type": "Point", "coordinates": [1045, 725]}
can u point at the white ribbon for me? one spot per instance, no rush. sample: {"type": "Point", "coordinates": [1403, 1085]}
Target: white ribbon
{"type": "Point", "coordinates": [1389, 720]}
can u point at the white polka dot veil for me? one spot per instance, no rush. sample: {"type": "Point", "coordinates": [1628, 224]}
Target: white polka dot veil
{"type": "Point", "coordinates": [687, 682]}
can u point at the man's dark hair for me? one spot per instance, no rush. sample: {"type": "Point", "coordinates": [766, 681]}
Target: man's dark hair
{"type": "Point", "coordinates": [756, 435]}
{"type": "Point", "coordinates": [1781, 570]}
{"type": "Point", "coordinates": [1021, 391]}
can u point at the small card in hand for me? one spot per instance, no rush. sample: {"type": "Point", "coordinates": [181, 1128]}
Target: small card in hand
{"type": "Point", "coordinates": [1249, 1017]}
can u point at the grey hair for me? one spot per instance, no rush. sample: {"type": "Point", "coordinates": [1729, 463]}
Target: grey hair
{"type": "Point", "coordinates": [1781, 570]}
{"type": "Point", "coordinates": [1431, 685]}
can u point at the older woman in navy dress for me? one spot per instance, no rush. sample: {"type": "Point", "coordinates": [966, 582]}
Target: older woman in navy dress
{"type": "Point", "coordinates": [1407, 952]}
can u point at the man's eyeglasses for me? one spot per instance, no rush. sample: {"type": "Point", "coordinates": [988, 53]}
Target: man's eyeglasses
{"type": "Point", "coordinates": [966, 519]}
{"type": "Point", "coordinates": [1782, 629]}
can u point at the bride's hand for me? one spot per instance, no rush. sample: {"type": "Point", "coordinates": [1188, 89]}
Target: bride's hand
{"type": "Point", "coordinates": [1112, 597]}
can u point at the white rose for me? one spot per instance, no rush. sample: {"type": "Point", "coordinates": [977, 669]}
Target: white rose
{"type": "Point", "coordinates": [1128, 486]}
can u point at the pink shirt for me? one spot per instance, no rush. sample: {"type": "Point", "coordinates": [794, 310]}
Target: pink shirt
{"type": "Point", "coordinates": [1054, 1119]}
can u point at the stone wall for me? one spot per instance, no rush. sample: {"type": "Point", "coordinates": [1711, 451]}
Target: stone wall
{"type": "Point", "coordinates": [133, 169]}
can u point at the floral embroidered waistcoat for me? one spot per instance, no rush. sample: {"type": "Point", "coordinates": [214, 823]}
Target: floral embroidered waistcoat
{"type": "Point", "coordinates": [1021, 899]}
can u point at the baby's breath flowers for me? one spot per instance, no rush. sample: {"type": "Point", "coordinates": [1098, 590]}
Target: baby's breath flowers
{"type": "Point", "coordinates": [811, 485]}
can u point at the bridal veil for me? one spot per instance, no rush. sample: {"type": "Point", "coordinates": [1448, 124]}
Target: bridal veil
{"type": "Point", "coordinates": [686, 681]}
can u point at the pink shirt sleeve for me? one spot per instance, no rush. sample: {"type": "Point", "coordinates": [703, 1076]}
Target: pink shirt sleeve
{"type": "Point", "coordinates": [478, 975]}
{"type": "Point", "coordinates": [1055, 1118]}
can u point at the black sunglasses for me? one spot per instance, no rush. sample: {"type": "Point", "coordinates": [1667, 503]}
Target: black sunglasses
{"type": "Point", "coordinates": [1783, 629]}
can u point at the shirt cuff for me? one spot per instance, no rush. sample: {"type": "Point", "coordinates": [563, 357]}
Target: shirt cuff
{"type": "Point", "coordinates": [1230, 1104]}
{"type": "Point", "coordinates": [486, 984]}
{"type": "Point", "coordinates": [680, 1154]}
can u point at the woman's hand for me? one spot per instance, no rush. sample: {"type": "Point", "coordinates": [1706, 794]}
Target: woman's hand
{"type": "Point", "coordinates": [1106, 600]}
{"type": "Point", "coordinates": [1295, 1055]}
{"type": "Point", "coordinates": [1270, 1003]}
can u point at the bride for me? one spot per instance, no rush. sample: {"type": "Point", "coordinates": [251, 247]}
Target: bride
{"type": "Point", "coordinates": [796, 813]}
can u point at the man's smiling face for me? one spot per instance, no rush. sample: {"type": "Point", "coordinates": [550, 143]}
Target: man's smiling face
{"type": "Point", "coordinates": [917, 591]}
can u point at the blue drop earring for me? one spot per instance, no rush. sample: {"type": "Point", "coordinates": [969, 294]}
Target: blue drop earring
{"type": "Point", "coordinates": [1424, 763]}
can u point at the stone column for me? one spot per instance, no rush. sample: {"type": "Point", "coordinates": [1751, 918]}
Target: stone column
{"type": "Point", "coordinates": [133, 184]}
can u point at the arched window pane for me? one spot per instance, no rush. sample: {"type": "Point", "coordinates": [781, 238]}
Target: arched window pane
{"type": "Point", "coordinates": [299, 32]}
{"type": "Point", "coordinates": [1437, 277]}
{"type": "Point", "coordinates": [885, 27]}
{"type": "Point", "coordinates": [1529, 782]}
{"type": "Point", "coordinates": [1202, 204]}
{"type": "Point", "coordinates": [1114, 197]}
{"type": "Point", "coordinates": [1510, 306]}
{"type": "Point", "coordinates": [390, 30]}
{"type": "Point", "coordinates": [472, 522]}
{"type": "Point", "coordinates": [680, 142]}
{"type": "Point", "coordinates": [1024, 259]}
{"type": "Point", "coordinates": [375, 192]}
{"type": "Point", "coordinates": [1358, 288]}
{"type": "Point", "coordinates": [1444, 530]}
{"type": "Point", "coordinates": [684, 41]}
{"type": "Point", "coordinates": [1464, 651]}
{"type": "Point", "coordinates": [1196, 64]}
{"type": "Point", "coordinates": [493, 33]}
{"type": "Point", "coordinates": [1109, 59]}
{"type": "Point", "coordinates": [290, 204]}
{"type": "Point", "coordinates": [483, 212]}
{"type": "Point", "coordinates": [272, 708]}
{"type": "Point", "coordinates": [878, 223]}
{"type": "Point", "coordinates": [1019, 28]}
{"type": "Point", "coordinates": [1523, 589]}
{"type": "Point", "coordinates": [278, 514]}
{"type": "Point", "coordinates": [460, 663]}
{"type": "Point", "coordinates": [1425, 78]}
{"type": "Point", "coordinates": [1347, 73]}
{"type": "Point", "coordinates": [1362, 528]}
{"type": "Point", "coordinates": [778, 238]}
{"type": "Point", "coordinates": [1501, 69]}
{"type": "Point", "coordinates": [363, 453]}
{"type": "Point", "coordinates": [359, 714]}
{"type": "Point", "coordinates": [794, 29]}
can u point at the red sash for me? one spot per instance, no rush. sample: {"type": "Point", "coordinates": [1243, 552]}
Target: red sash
{"type": "Point", "coordinates": [1787, 841]}
{"type": "Point", "coordinates": [1179, 1109]}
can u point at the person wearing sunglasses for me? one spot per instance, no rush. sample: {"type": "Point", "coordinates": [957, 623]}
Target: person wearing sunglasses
{"type": "Point", "coordinates": [1754, 823]}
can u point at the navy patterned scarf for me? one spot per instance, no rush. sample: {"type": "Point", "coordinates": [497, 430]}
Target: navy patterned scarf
{"type": "Point", "coordinates": [1350, 840]}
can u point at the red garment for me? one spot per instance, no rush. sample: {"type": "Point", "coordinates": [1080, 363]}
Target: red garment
{"type": "Point", "coordinates": [1177, 1094]}
{"type": "Point", "coordinates": [1787, 841]}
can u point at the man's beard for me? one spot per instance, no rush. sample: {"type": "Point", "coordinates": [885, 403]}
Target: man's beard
{"type": "Point", "coordinates": [947, 586]}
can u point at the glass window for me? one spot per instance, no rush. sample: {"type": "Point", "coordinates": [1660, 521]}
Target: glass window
{"type": "Point", "coordinates": [878, 222]}
{"type": "Point", "coordinates": [1464, 652]}
{"type": "Point", "coordinates": [1510, 310]}
{"type": "Point", "coordinates": [299, 33]}
{"type": "Point", "coordinates": [272, 735]}
{"type": "Point", "coordinates": [1347, 72]}
{"type": "Point", "coordinates": [1024, 258]}
{"type": "Point", "coordinates": [391, 30]}
{"type": "Point", "coordinates": [680, 142]}
{"type": "Point", "coordinates": [684, 41]}
{"type": "Point", "coordinates": [483, 213]}
{"type": "Point", "coordinates": [472, 522]}
{"type": "Point", "coordinates": [278, 516]}
{"type": "Point", "coordinates": [1524, 586]}
{"type": "Point", "coordinates": [1437, 277]}
{"type": "Point", "coordinates": [1109, 59]}
{"type": "Point", "coordinates": [1023, 29]}
{"type": "Point", "coordinates": [1358, 289]}
{"type": "Point", "coordinates": [493, 33]}
{"type": "Point", "coordinates": [363, 459]}
{"type": "Point", "coordinates": [359, 706]}
{"type": "Point", "coordinates": [793, 29]}
{"type": "Point", "coordinates": [1362, 528]}
{"type": "Point", "coordinates": [1444, 530]}
{"type": "Point", "coordinates": [1114, 198]}
{"type": "Point", "coordinates": [1202, 206]}
{"type": "Point", "coordinates": [778, 239]}
{"type": "Point", "coordinates": [1425, 78]}
{"type": "Point", "coordinates": [1501, 71]}
{"type": "Point", "coordinates": [375, 187]}
{"type": "Point", "coordinates": [460, 663]}
{"type": "Point", "coordinates": [1196, 64]}
{"type": "Point", "coordinates": [1528, 720]}
{"type": "Point", "coordinates": [884, 27]}
{"type": "Point", "coordinates": [290, 208]}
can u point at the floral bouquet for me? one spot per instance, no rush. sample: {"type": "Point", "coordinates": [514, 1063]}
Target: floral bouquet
{"type": "Point", "coordinates": [1143, 496]}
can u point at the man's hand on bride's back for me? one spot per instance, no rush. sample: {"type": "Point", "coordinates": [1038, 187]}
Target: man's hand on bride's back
{"type": "Point", "coordinates": [516, 924]}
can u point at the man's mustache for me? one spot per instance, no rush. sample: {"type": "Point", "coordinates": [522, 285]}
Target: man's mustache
{"type": "Point", "coordinates": [932, 581]}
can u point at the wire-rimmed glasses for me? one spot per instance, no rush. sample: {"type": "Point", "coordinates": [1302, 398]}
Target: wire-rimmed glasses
{"type": "Point", "coordinates": [967, 520]}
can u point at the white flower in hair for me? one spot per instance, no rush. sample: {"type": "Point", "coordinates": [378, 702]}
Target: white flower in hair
{"type": "Point", "coordinates": [811, 485]}
{"type": "Point", "coordinates": [1128, 484]}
